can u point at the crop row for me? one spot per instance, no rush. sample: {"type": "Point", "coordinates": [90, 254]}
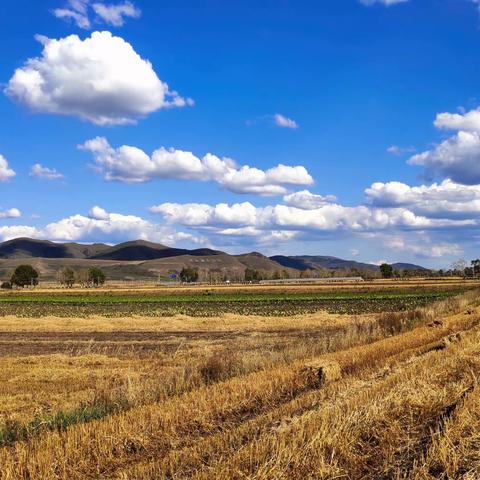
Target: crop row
{"type": "Point", "coordinates": [208, 296]}
{"type": "Point", "coordinates": [195, 307]}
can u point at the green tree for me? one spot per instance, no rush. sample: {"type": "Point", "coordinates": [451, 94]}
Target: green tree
{"type": "Point", "coordinates": [476, 267]}
{"type": "Point", "coordinates": [81, 277]}
{"type": "Point", "coordinates": [66, 277]}
{"type": "Point", "coordinates": [386, 270]}
{"type": "Point", "coordinates": [188, 275]}
{"type": "Point", "coordinates": [459, 267]}
{"type": "Point", "coordinates": [468, 272]}
{"type": "Point", "coordinates": [252, 275]}
{"type": "Point", "coordinates": [24, 275]}
{"type": "Point", "coordinates": [96, 276]}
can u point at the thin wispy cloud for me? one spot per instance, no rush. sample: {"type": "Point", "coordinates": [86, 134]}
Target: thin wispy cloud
{"type": "Point", "coordinates": [399, 151]}
{"type": "Point", "coordinates": [115, 14]}
{"type": "Point", "coordinates": [387, 3]}
{"type": "Point", "coordinates": [277, 120]}
{"type": "Point", "coordinates": [45, 173]}
{"type": "Point", "coordinates": [81, 12]}
{"type": "Point", "coordinates": [76, 11]}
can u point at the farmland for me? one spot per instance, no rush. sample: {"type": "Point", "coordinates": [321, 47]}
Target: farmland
{"type": "Point", "coordinates": [208, 302]}
{"type": "Point", "coordinates": [241, 382]}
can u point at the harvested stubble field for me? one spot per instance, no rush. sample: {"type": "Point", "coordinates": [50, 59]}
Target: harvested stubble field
{"type": "Point", "coordinates": [318, 395]}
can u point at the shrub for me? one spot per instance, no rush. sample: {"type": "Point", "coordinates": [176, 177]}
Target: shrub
{"type": "Point", "coordinates": [6, 285]}
{"type": "Point", "coordinates": [219, 366]}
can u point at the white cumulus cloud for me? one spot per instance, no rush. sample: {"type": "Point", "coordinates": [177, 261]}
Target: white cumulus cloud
{"type": "Point", "coordinates": [457, 158]}
{"type": "Point", "coordinates": [99, 225]}
{"type": "Point", "coordinates": [132, 165]}
{"type": "Point", "coordinates": [468, 121]}
{"type": "Point", "coordinates": [6, 173]}
{"type": "Point", "coordinates": [17, 231]}
{"type": "Point", "coordinates": [446, 199]}
{"type": "Point", "coordinates": [307, 200]}
{"type": "Point", "coordinates": [327, 218]}
{"type": "Point", "coordinates": [284, 122]}
{"type": "Point", "coordinates": [100, 79]}
{"type": "Point", "coordinates": [10, 213]}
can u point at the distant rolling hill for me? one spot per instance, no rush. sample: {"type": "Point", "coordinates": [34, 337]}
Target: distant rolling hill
{"type": "Point", "coordinates": [30, 248]}
{"type": "Point", "coordinates": [407, 266]}
{"type": "Point", "coordinates": [257, 261]}
{"type": "Point", "coordinates": [142, 260]}
{"type": "Point", "coordinates": [310, 262]}
{"type": "Point", "coordinates": [143, 250]}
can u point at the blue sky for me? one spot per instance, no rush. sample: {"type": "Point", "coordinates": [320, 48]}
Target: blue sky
{"type": "Point", "coordinates": [346, 96]}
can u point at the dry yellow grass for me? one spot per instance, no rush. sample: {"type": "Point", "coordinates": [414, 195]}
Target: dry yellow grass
{"type": "Point", "coordinates": [151, 358]}
{"type": "Point", "coordinates": [180, 323]}
{"type": "Point", "coordinates": [229, 398]}
{"type": "Point", "coordinates": [40, 385]}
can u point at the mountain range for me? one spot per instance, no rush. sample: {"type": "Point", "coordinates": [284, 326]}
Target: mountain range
{"type": "Point", "coordinates": [139, 259]}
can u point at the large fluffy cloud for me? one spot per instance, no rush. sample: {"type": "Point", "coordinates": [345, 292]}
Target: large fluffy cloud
{"type": "Point", "coordinates": [457, 158]}
{"type": "Point", "coordinates": [100, 79]}
{"type": "Point", "coordinates": [468, 121]}
{"type": "Point", "coordinates": [244, 224]}
{"type": "Point", "coordinates": [10, 213]}
{"type": "Point", "coordinates": [6, 173]}
{"type": "Point", "coordinates": [397, 228]}
{"type": "Point", "coordinates": [326, 218]}
{"type": "Point", "coordinates": [447, 199]}
{"type": "Point", "coordinates": [132, 165]}
{"type": "Point", "coordinates": [100, 225]}
{"type": "Point", "coordinates": [17, 231]}
{"type": "Point", "coordinates": [307, 200]}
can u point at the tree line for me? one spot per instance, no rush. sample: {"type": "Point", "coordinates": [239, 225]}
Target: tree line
{"type": "Point", "coordinates": [460, 268]}
{"type": "Point", "coordinates": [27, 276]}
